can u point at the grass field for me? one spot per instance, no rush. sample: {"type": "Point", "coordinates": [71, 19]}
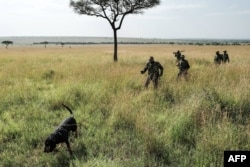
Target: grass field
{"type": "Point", "coordinates": [122, 124]}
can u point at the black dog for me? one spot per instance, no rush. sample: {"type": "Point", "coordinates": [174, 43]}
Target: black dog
{"type": "Point", "coordinates": [61, 134]}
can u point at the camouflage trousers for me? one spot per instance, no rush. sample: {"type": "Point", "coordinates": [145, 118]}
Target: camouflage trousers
{"type": "Point", "coordinates": [154, 78]}
{"type": "Point", "coordinates": [182, 73]}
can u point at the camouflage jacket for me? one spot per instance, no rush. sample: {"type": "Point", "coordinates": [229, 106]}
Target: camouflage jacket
{"type": "Point", "coordinates": [183, 65]}
{"type": "Point", "coordinates": [218, 58]}
{"type": "Point", "coordinates": [225, 58]}
{"type": "Point", "coordinates": [153, 68]}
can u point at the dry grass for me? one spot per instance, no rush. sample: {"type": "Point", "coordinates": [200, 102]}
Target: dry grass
{"type": "Point", "coordinates": [121, 123]}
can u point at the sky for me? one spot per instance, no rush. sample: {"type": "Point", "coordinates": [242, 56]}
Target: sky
{"type": "Point", "coordinates": [215, 19]}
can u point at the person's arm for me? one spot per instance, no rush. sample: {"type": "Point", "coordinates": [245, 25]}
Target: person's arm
{"type": "Point", "coordinates": [161, 69]}
{"type": "Point", "coordinates": [145, 69]}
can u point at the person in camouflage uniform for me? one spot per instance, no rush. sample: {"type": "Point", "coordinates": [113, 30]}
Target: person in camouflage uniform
{"type": "Point", "coordinates": [225, 57]}
{"type": "Point", "coordinates": [183, 66]}
{"type": "Point", "coordinates": [218, 59]}
{"type": "Point", "coordinates": [155, 71]}
{"type": "Point", "coordinates": [178, 55]}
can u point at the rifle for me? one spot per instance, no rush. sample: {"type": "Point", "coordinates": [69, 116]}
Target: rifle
{"type": "Point", "coordinates": [179, 51]}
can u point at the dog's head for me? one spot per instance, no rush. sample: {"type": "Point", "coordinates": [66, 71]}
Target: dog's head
{"type": "Point", "coordinates": [50, 145]}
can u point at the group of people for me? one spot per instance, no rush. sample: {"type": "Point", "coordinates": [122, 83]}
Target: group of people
{"type": "Point", "coordinates": [155, 69]}
{"type": "Point", "coordinates": [221, 58]}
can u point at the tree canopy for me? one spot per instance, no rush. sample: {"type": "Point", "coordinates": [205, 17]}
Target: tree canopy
{"type": "Point", "coordinates": [114, 11]}
{"type": "Point", "coordinates": [45, 43]}
{"type": "Point", "coordinates": [7, 43]}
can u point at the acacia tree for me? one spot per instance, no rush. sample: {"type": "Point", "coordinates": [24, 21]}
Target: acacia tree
{"type": "Point", "coordinates": [45, 43]}
{"type": "Point", "coordinates": [7, 43]}
{"type": "Point", "coordinates": [114, 11]}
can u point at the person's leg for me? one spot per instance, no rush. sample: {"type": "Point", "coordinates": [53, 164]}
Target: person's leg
{"type": "Point", "coordinates": [155, 81]}
{"type": "Point", "coordinates": [147, 82]}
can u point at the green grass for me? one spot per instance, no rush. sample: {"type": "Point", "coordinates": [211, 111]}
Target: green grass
{"type": "Point", "coordinates": [122, 124]}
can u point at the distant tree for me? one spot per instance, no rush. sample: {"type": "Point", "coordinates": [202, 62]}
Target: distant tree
{"type": "Point", "coordinates": [62, 44]}
{"type": "Point", "coordinates": [7, 43]}
{"type": "Point", "coordinates": [114, 11]}
{"type": "Point", "coordinates": [45, 43]}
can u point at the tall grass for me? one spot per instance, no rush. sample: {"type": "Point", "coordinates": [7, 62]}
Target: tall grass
{"type": "Point", "coordinates": [185, 123]}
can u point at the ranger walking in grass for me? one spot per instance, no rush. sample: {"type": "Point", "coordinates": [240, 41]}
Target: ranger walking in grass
{"type": "Point", "coordinates": [183, 66]}
{"type": "Point", "coordinates": [155, 71]}
{"type": "Point", "coordinates": [225, 57]}
{"type": "Point", "coordinates": [218, 58]}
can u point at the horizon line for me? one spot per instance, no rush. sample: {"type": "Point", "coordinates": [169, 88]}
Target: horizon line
{"type": "Point", "coordinates": [73, 36]}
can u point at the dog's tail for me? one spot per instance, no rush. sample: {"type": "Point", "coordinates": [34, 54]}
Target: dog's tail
{"type": "Point", "coordinates": [68, 110]}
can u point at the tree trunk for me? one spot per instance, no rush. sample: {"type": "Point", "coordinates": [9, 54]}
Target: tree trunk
{"type": "Point", "coordinates": [115, 45]}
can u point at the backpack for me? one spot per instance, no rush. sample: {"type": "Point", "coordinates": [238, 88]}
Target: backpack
{"type": "Point", "coordinates": [185, 64]}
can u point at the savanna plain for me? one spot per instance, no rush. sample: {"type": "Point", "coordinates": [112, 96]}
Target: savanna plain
{"type": "Point", "coordinates": [120, 123]}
